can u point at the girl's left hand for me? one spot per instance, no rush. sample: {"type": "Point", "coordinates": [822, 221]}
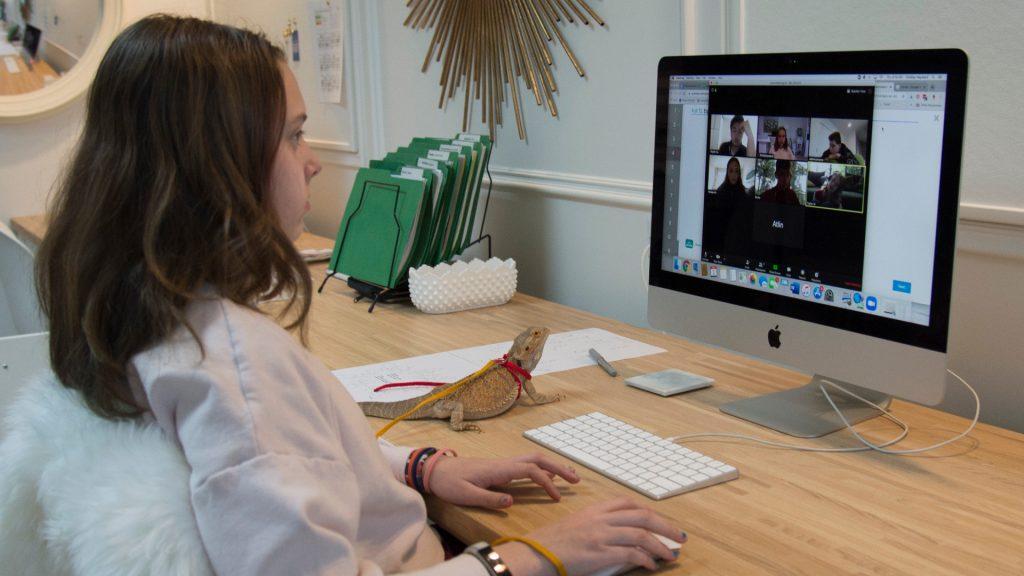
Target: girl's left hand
{"type": "Point", "coordinates": [465, 481]}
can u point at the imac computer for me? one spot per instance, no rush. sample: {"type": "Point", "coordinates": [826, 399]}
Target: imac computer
{"type": "Point", "coordinates": [804, 212]}
{"type": "Point", "coordinates": [31, 41]}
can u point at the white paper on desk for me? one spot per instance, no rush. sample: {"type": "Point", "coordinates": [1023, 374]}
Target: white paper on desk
{"type": "Point", "coordinates": [563, 351]}
{"type": "Point", "coordinates": [441, 367]}
{"type": "Point", "coordinates": [329, 43]}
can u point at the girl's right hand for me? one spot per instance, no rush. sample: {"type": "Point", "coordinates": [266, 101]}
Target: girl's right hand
{"type": "Point", "coordinates": [605, 534]}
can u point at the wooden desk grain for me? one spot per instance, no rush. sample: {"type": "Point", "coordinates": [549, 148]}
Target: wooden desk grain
{"type": "Point", "coordinates": [25, 80]}
{"type": "Point", "coordinates": [955, 511]}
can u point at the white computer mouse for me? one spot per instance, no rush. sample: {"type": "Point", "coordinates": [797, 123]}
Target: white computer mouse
{"type": "Point", "coordinates": [622, 568]}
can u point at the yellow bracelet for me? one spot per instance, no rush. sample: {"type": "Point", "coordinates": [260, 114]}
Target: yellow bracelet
{"type": "Point", "coordinates": [540, 550]}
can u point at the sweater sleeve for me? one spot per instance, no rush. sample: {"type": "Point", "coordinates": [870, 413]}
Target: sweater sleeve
{"type": "Point", "coordinates": [280, 514]}
{"type": "Point", "coordinates": [396, 457]}
{"type": "Point", "coordinates": [286, 475]}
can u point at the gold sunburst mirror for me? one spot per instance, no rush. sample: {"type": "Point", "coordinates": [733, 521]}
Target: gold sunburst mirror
{"type": "Point", "coordinates": [485, 45]}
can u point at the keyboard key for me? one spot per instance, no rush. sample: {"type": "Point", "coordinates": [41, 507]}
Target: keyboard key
{"type": "Point", "coordinates": [666, 484]}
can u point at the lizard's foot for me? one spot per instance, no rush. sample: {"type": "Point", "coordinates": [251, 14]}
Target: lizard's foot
{"type": "Point", "coordinates": [545, 398]}
{"type": "Point", "coordinates": [464, 426]}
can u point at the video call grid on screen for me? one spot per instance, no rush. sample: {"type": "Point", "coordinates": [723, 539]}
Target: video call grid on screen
{"type": "Point", "coordinates": [906, 145]}
{"type": "Point", "coordinates": [816, 221]}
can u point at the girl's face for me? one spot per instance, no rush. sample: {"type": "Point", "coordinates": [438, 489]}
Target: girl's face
{"type": "Point", "coordinates": [295, 163]}
{"type": "Point", "coordinates": [733, 173]}
{"type": "Point", "coordinates": [781, 138]}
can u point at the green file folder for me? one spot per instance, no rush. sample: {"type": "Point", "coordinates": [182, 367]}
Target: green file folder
{"type": "Point", "coordinates": [377, 235]}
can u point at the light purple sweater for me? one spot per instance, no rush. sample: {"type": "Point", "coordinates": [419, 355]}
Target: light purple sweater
{"type": "Point", "coordinates": [287, 477]}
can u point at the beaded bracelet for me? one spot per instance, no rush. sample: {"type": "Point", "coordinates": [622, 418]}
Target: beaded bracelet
{"type": "Point", "coordinates": [414, 467]}
{"type": "Point", "coordinates": [559, 567]}
{"type": "Point", "coordinates": [431, 462]}
{"type": "Point", "coordinates": [417, 476]}
{"type": "Point", "coordinates": [407, 474]}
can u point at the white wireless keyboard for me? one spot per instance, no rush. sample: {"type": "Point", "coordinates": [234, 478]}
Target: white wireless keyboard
{"type": "Point", "coordinates": [629, 455]}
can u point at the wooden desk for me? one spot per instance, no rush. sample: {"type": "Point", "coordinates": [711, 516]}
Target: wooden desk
{"type": "Point", "coordinates": [30, 229]}
{"type": "Point", "coordinates": [955, 511]}
{"type": "Point", "coordinates": [958, 510]}
{"type": "Point", "coordinates": [25, 80]}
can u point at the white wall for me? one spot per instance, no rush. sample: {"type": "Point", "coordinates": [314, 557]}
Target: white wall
{"type": "Point", "coordinates": [32, 154]}
{"type": "Point", "coordinates": [342, 134]}
{"type": "Point", "coordinates": [559, 207]}
{"type": "Point", "coordinates": [572, 206]}
{"type": "Point", "coordinates": [68, 23]}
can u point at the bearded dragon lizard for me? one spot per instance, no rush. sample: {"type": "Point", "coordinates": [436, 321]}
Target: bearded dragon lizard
{"type": "Point", "coordinates": [489, 393]}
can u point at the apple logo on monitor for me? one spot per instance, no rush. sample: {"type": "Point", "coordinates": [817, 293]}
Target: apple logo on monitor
{"type": "Point", "coordinates": [774, 337]}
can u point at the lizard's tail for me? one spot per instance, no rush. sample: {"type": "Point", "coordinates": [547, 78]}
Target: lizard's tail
{"type": "Point", "coordinates": [419, 404]}
{"type": "Point", "coordinates": [395, 409]}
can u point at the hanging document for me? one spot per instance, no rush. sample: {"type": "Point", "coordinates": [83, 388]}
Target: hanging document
{"type": "Point", "coordinates": [328, 39]}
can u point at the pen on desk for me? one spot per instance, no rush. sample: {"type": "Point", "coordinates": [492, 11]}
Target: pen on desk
{"type": "Point", "coordinates": [603, 363]}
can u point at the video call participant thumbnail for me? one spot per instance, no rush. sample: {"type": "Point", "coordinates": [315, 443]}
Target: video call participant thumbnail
{"type": "Point", "coordinates": [732, 188]}
{"type": "Point", "coordinates": [778, 216]}
{"type": "Point", "coordinates": [738, 126]}
{"type": "Point", "coordinates": [842, 188]}
{"type": "Point", "coordinates": [837, 151]}
{"type": "Point", "coordinates": [782, 192]}
{"type": "Point", "coordinates": [780, 145]}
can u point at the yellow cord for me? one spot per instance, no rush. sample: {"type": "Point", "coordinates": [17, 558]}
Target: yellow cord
{"type": "Point", "coordinates": [559, 567]}
{"type": "Point", "coordinates": [440, 394]}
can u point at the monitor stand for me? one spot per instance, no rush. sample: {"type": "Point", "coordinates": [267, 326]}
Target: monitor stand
{"type": "Point", "coordinates": [805, 412]}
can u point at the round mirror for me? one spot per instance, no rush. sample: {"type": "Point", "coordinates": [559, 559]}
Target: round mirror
{"type": "Point", "coordinates": [49, 52]}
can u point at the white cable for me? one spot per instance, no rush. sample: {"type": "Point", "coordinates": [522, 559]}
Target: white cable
{"type": "Point", "coordinates": [867, 445]}
{"type": "Point", "coordinates": [903, 434]}
{"type": "Point", "coordinates": [974, 422]}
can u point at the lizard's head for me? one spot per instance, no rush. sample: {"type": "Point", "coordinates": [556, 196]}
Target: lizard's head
{"type": "Point", "coordinates": [528, 346]}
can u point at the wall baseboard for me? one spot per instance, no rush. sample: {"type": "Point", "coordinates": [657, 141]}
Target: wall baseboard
{"type": "Point", "coordinates": [985, 229]}
{"type": "Point", "coordinates": [635, 194]}
{"type": "Point", "coordinates": [991, 231]}
{"type": "Point", "coordinates": [336, 145]}
{"type": "Point", "coordinates": [992, 215]}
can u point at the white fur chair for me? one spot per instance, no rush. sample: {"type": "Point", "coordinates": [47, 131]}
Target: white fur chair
{"type": "Point", "coordinates": [85, 496]}
{"type": "Point", "coordinates": [79, 495]}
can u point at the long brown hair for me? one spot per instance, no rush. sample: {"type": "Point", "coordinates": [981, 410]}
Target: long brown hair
{"type": "Point", "coordinates": [776, 143]}
{"type": "Point", "coordinates": [165, 197]}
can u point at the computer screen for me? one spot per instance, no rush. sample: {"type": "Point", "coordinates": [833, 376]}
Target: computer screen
{"type": "Point", "coordinates": [820, 188]}
{"type": "Point", "coordinates": [804, 210]}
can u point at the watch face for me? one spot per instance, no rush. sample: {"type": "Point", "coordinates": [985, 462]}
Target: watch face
{"type": "Point", "coordinates": [490, 558]}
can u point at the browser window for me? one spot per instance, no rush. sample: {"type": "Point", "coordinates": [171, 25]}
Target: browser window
{"type": "Point", "coordinates": [820, 187]}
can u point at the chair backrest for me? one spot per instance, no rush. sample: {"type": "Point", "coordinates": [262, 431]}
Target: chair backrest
{"type": "Point", "coordinates": [84, 496]}
{"type": "Point", "coordinates": [22, 358]}
{"type": "Point", "coordinates": [19, 306]}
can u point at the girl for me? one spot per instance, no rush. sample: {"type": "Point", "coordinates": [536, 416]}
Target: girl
{"type": "Point", "coordinates": [780, 149]}
{"type": "Point", "coordinates": [175, 217]}
{"type": "Point", "coordinates": [732, 188]}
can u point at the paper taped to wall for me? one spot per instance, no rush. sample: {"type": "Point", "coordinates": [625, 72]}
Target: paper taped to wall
{"type": "Point", "coordinates": [328, 39]}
